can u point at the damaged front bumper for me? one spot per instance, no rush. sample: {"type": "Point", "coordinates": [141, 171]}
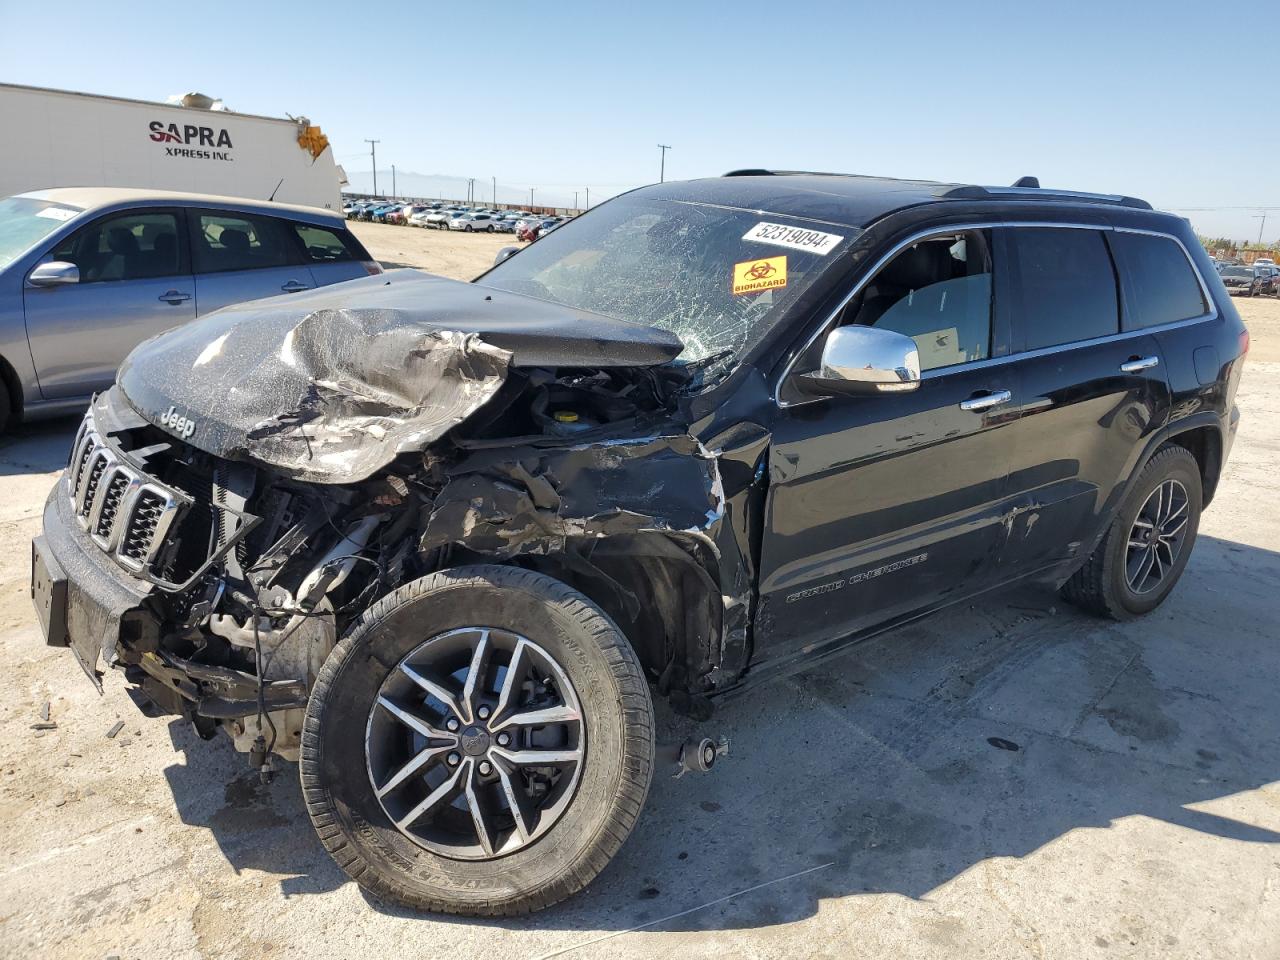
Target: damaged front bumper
{"type": "Point", "coordinates": [81, 597]}
{"type": "Point", "coordinates": [86, 602]}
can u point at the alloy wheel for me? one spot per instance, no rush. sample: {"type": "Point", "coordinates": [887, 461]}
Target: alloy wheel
{"type": "Point", "coordinates": [475, 743]}
{"type": "Point", "coordinates": [1156, 537]}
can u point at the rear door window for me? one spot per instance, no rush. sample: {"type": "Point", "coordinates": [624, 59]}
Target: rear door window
{"type": "Point", "coordinates": [1162, 283]}
{"type": "Point", "coordinates": [1066, 285]}
{"type": "Point", "coordinates": [323, 245]}
{"type": "Point", "coordinates": [130, 246]}
{"type": "Point", "coordinates": [222, 242]}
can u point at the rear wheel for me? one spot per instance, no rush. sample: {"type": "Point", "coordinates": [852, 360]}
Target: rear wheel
{"type": "Point", "coordinates": [5, 408]}
{"type": "Point", "coordinates": [480, 743]}
{"type": "Point", "coordinates": [1148, 544]}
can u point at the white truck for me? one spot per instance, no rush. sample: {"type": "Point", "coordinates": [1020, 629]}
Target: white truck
{"type": "Point", "coordinates": [57, 138]}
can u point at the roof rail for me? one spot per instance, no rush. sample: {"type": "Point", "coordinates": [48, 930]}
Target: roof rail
{"type": "Point", "coordinates": [753, 172]}
{"type": "Point", "coordinates": [1038, 193]}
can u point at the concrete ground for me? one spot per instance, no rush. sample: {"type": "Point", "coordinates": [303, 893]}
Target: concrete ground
{"type": "Point", "coordinates": [1008, 780]}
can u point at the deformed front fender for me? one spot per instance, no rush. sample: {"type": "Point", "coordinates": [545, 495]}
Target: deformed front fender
{"type": "Point", "coordinates": [645, 519]}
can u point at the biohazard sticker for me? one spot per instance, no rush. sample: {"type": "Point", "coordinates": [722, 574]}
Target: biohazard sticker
{"type": "Point", "coordinates": [753, 276]}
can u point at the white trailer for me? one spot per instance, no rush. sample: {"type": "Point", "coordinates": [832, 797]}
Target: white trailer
{"type": "Point", "coordinates": [56, 138]}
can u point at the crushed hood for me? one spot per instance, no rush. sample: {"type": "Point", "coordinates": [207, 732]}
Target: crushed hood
{"type": "Point", "coordinates": [331, 385]}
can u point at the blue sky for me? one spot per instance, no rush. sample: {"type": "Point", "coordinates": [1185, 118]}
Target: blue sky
{"type": "Point", "coordinates": [1168, 101]}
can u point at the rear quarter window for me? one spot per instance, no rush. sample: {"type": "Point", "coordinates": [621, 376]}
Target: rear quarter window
{"type": "Point", "coordinates": [1164, 287]}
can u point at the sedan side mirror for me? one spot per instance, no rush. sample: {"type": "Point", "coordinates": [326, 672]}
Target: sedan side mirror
{"type": "Point", "coordinates": [56, 273]}
{"type": "Point", "coordinates": [504, 253]}
{"type": "Point", "coordinates": [865, 360]}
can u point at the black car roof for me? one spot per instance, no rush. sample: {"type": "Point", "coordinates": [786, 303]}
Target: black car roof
{"type": "Point", "coordinates": [852, 199]}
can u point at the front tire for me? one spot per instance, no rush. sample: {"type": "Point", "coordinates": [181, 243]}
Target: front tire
{"type": "Point", "coordinates": [481, 743]}
{"type": "Point", "coordinates": [1148, 544]}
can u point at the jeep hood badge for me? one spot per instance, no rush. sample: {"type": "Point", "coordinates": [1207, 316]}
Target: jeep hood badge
{"type": "Point", "coordinates": [331, 385]}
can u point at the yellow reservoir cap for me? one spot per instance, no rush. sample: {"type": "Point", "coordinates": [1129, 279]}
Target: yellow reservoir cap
{"type": "Point", "coordinates": [565, 416]}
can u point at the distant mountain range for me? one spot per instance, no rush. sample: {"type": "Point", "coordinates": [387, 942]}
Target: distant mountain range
{"type": "Point", "coordinates": [436, 186]}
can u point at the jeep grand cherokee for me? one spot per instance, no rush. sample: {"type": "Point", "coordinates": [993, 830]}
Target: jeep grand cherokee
{"type": "Point", "coordinates": [444, 541]}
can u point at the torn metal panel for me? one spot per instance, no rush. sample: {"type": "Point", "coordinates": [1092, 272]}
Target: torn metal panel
{"type": "Point", "coordinates": [508, 502]}
{"type": "Point", "coordinates": [331, 386]}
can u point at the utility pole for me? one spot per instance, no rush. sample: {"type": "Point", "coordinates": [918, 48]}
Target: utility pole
{"type": "Point", "coordinates": [575, 199]}
{"type": "Point", "coordinates": [495, 193]}
{"type": "Point", "coordinates": [373, 152]}
{"type": "Point", "coordinates": [662, 170]}
{"type": "Point", "coordinates": [588, 206]}
{"type": "Point", "coordinates": [393, 181]}
{"type": "Point", "coordinates": [1262, 226]}
{"type": "Point", "coordinates": [531, 197]}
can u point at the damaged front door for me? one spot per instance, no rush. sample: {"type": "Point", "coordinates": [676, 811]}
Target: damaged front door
{"type": "Point", "coordinates": [886, 505]}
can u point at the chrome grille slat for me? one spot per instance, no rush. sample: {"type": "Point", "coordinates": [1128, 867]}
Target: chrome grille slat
{"type": "Point", "coordinates": [113, 489]}
{"type": "Point", "coordinates": [142, 534]}
{"type": "Point", "coordinates": [81, 460]}
{"type": "Point", "coordinates": [93, 472]}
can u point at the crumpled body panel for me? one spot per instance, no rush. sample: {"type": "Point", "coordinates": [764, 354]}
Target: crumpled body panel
{"type": "Point", "coordinates": [328, 398]}
{"type": "Point", "coordinates": [331, 385]}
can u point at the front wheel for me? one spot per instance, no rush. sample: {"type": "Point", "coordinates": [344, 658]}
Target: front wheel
{"type": "Point", "coordinates": [480, 743]}
{"type": "Point", "coordinates": [490, 228]}
{"type": "Point", "coordinates": [1148, 543]}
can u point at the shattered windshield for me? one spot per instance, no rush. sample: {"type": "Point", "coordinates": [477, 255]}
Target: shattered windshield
{"type": "Point", "coordinates": [715, 277]}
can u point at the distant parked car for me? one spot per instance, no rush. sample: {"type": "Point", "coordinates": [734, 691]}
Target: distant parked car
{"type": "Point", "coordinates": [380, 214]}
{"type": "Point", "coordinates": [1249, 281]}
{"type": "Point", "coordinates": [87, 273]}
{"type": "Point", "coordinates": [368, 207]}
{"type": "Point", "coordinates": [399, 213]}
{"type": "Point", "coordinates": [504, 224]}
{"type": "Point", "coordinates": [471, 222]}
{"type": "Point", "coordinates": [441, 218]}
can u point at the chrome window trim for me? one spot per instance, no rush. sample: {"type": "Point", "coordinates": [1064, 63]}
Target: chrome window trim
{"type": "Point", "coordinates": [942, 231]}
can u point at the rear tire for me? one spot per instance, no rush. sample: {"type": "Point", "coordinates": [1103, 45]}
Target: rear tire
{"type": "Point", "coordinates": [6, 408]}
{"type": "Point", "coordinates": [347, 737]}
{"type": "Point", "coordinates": [1112, 583]}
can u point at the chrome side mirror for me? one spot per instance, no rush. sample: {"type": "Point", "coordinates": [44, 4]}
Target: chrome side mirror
{"type": "Point", "coordinates": [56, 273]}
{"type": "Point", "coordinates": [504, 253]}
{"type": "Point", "coordinates": [865, 360]}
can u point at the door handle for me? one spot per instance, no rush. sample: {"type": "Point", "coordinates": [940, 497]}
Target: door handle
{"type": "Point", "coordinates": [174, 296]}
{"type": "Point", "coordinates": [986, 401]}
{"type": "Point", "coordinates": [1138, 364]}
{"type": "Point", "coordinates": [293, 286]}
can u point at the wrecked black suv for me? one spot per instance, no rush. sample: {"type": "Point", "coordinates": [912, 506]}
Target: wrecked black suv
{"type": "Point", "coordinates": [440, 541]}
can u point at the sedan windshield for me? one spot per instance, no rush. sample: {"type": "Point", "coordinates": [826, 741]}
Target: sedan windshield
{"type": "Point", "coordinates": [1237, 272]}
{"type": "Point", "coordinates": [24, 222]}
{"type": "Point", "coordinates": [717, 278]}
